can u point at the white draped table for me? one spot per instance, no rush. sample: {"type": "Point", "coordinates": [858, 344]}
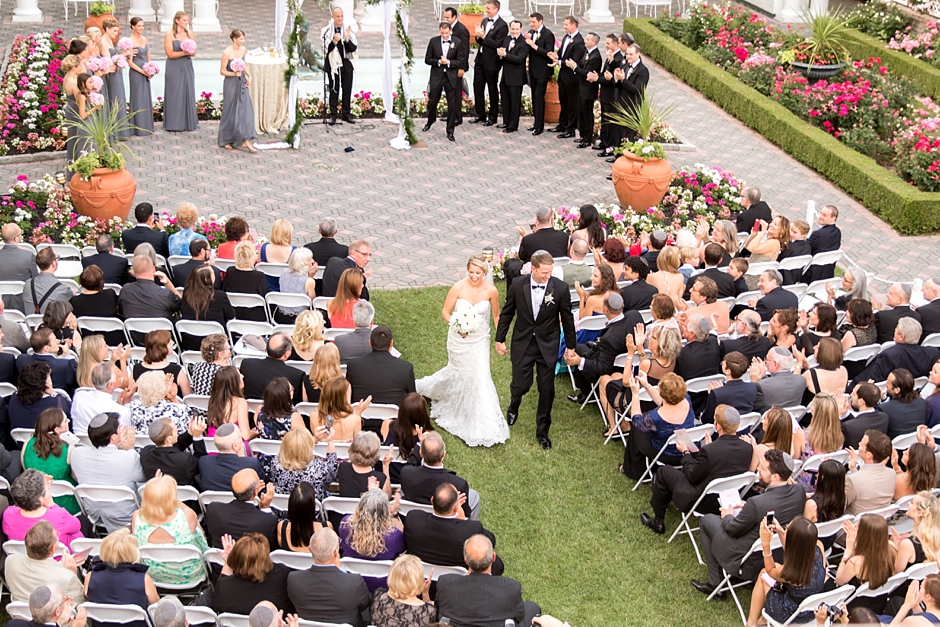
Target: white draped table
{"type": "Point", "coordinates": [268, 92]}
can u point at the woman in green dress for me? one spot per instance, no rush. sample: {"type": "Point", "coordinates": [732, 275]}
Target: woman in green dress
{"type": "Point", "coordinates": [47, 453]}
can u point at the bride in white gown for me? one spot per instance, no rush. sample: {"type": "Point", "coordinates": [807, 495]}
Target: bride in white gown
{"type": "Point", "coordinates": [464, 399]}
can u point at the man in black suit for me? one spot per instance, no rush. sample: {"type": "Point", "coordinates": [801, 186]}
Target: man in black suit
{"type": "Point", "coordinates": [446, 57]}
{"type": "Point", "coordinates": [826, 238]}
{"type": "Point", "coordinates": [864, 414]}
{"type": "Point", "coordinates": [257, 373]}
{"type": "Point", "coordinates": [727, 538]}
{"type": "Point", "coordinates": [930, 313]}
{"type": "Point", "coordinates": [593, 360]}
{"type": "Point", "coordinates": [631, 78]}
{"type": "Point", "coordinates": [610, 132]}
{"type": "Point", "coordinates": [48, 606]}
{"type": "Point", "coordinates": [537, 302]}
{"type": "Point", "coordinates": [438, 538]}
{"type": "Point", "coordinates": [46, 349]}
{"type": "Point", "coordinates": [543, 237]}
{"type": "Point", "coordinates": [170, 454]}
{"type": "Point", "coordinates": [774, 296]}
{"type": "Point", "coordinates": [339, 46]}
{"type": "Point", "coordinates": [241, 516]}
{"type": "Point", "coordinates": [380, 375]}
{"type": "Point", "coordinates": [886, 320]}
{"type": "Point", "coordinates": [419, 483]}
{"type": "Point", "coordinates": [734, 391]}
{"type": "Point", "coordinates": [639, 294]}
{"type": "Point", "coordinates": [327, 247]}
{"type": "Point", "coordinates": [906, 353]}
{"type": "Point", "coordinates": [113, 267]}
{"type": "Point", "coordinates": [479, 598]}
{"type": "Point", "coordinates": [723, 280]}
{"type": "Point", "coordinates": [754, 209]}
{"type": "Point", "coordinates": [652, 245]}
{"type": "Point", "coordinates": [749, 341]}
{"type": "Point", "coordinates": [541, 41]}
{"type": "Point", "coordinates": [216, 471]}
{"type": "Point", "coordinates": [144, 232]}
{"type": "Point", "coordinates": [200, 255]}
{"type": "Point", "coordinates": [588, 64]}
{"type": "Point", "coordinates": [360, 252]}
{"type": "Point", "coordinates": [490, 35]}
{"type": "Point", "coordinates": [324, 592]}
{"type": "Point", "coordinates": [461, 34]}
{"type": "Point", "coordinates": [144, 298]}
{"type": "Point", "coordinates": [905, 409]}
{"type": "Point", "coordinates": [571, 47]}
{"type": "Point", "coordinates": [513, 53]}
{"type": "Point", "coordinates": [726, 456]}
{"type": "Point", "coordinates": [359, 342]}
{"type": "Point", "coordinates": [701, 355]}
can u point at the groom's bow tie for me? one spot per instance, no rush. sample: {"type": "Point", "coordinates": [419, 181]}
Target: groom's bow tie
{"type": "Point", "coordinates": [536, 286]}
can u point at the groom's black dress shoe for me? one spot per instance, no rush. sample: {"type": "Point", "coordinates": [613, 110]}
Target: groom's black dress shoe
{"type": "Point", "coordinates": [577, 398]}
{"type": "Point", "coordinates": [544, 442]}
{"type": "Point", "coordinates": [706, 588]}
{"type": "Point", "coordinates": [512, 415]}
{"type": "Point", "coordinates": [656, 524]}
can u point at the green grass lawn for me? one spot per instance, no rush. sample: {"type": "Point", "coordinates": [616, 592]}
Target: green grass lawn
{"type": "Point", "coordinates": [566, 523]}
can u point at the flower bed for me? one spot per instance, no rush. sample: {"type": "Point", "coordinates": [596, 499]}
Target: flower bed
{"type": "Point", "coordinates": [31, 99]}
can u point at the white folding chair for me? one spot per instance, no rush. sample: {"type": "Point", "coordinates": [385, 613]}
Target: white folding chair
{"type": "Point", "coordinates": [742, 483]}
{"type": "Point", "coordinates": [198, 328]}
{"type": "Point", "coordinates": [233, 620]}
{"type": "Point", "coordinates": [189, 358]}
{"type": "Point", "coordinates": [794, 263]}
{"type": "Point", "coordinates": [885, 512]}
{"type": "Point", "coordinates": [246, 327]}
{"type": "Point", "coordinates": [748, 422]}
{"type": "Point", "coordinates": [19, 610]}
{"type": "Point", "coordinates": [727, 586]}
{"type": "Point", "coordinates": [332, 334]}
{"type": "Point", "coordinates": [196, 401]}
{"type": "Point", "coordinates": [919, 571]}
{"type": "Point", "coordinates": [746, 296]}
{"type": "Point", "coordinates": [931, 340]}
{"type": "Point", "coordinates": [696, 434]}
{"type": "Point", "coordinates": [285, 299]}
{"type": "Point", "coordinates": [292, 559]}
{"type": "Point", "coordinates": [796, 413]}
{"type": "Point", "coordinates": [7, 389]}
{"type": "Point", "coordinates": [213, 496]}
{"type": "Point", "coordinates": [756, 269]}
{"type": "Point", "coordinates": [904, 442]}
{"type": "Point", "coordinates": [92, 545]}
{"type": "Point", "coordinates": [589, 323]}
{"type": "Point", "coordinates": [61, 487]}
{"type": "Point", "coordinates": [90, 325]}
{"type": "Point", "coordinates": [114, 287]}
{"type": "Point", "coordinates": [303, 366]}
{"type": "Point", "coordinates": [826, 258]}
{"type": "Point", "coordinates": [18, 547]}
{"type": "Point", "coordinates": [11, 287]}
{"type": "Point", "coordinates": [33, 321]}
{"type": "Point", "coordinates": [265, 447]}
{"type": "Point", "coordinates": [200, 615]}
{"type": "Point", "coordinates": [407, 506]}
{"type": "Point", "coordinates": [145, 326]}
{"type": "Point", "coordinates": [379, 411]}
{"type": "Point", "coordinates": [21, 435]}
{"type": "Point", "coordinates": [862, 353]}
{"type": "Point", "coordinates": [441, 570]}
{"type": "Point", "coordinates": [247, 301]}
{"type": "Point", "coordinates": [810, 604]}
{"type": "Point", "coordinates": [176, 553]}
{"type": "Point", "coordinates": [811, 464]}
{"type": "Point", "coordinates": [214, 557]}
{"type": "Point", "coordinates": [342, 505]}
{"type": "Point", "coordinates": [320, 302]}
{"type": "Point", "coordinates": [104, 494]}
{"type": "Point", "coordinates": [271, 269]}
{"type": "Point", "coordinates": [342, 449]}
{"type": "Point", "coordinates": [366, 568]}
{"type": "Point", "coordinates": [700, 384]}
{"type": "Point", "coordinates": [122, 614]}
{"type": "Point", "coordinates": [224, 264]}
{"type": "Point", "coordinates": [304, 409]}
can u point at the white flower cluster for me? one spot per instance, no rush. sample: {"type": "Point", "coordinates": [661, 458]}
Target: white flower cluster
{"type": "Point", "coordinates": [466, 321]}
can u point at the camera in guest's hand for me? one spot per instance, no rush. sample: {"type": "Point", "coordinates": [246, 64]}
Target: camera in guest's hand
{"type": "Point", "coordinates": [833, 611]}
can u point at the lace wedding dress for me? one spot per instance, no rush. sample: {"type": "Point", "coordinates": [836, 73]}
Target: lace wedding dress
{"type": "Point", "coordinates": [464, 400]}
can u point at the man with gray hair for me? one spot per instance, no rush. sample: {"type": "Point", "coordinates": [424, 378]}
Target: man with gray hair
{"type": "Point", "coordinates": [169, 612]}
{"type": "Point", "coordinates": [576, 270]}
{"type": "Point", "coordinates": [754, 209]}
{"type": "Point", "coordinates": [543, 236]}
{"type": "Point", "coordinates": [418, 483]}
{"type": "Point", "coordinates": [358, 343]}
{"type": "Point", "coordinates": [324, 592]}
{"type": "Point", "coordinates": [776, 382]}
{"type": "Point", "coordinates": [479, 598]}
{"type": "Point", "coordinates": [89, 402]}
{"type": "Point", "coordinates": [113, 267]}
{"type": "Point", "coordinates": [701, 355]}
{"type": "Point", "coordinates": [721, 457]}
{"type": "Point", "coordinates": [906, 353]}
{"type": "Point", "coordinates": [327, 247]}
{"type": "Point", "coordinates": [359, 255]}
{"type": "Point", "coordinates": [48, 606]}
{"type": "Point", "coordinates": [24, 572]}
{"type": "Point", "coordinates": [216, 471]}
{"type": "Point", "coordinates": [898, 300]}
{"type": "Point", "coordinates": [774, 296]}
{"type": "Point", "coordinates": [589, 64]}
{"type": "Point", "coordinates": [929, 313]}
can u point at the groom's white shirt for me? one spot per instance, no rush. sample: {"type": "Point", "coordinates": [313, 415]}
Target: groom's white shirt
{"type": "Point", "coordinates": [537, 296]}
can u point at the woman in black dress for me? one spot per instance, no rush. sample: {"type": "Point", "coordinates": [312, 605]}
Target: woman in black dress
{"type": "Point", "coordinates": [249, 577]}
{"type": "Point", "coordinates": [120, 578]}
{"type": "Point", "coordinates": [95, 300]}
{"type": "Point", "coordinates": [355, 474]}
{"type": "Point", "coordinates": [406, 602]}
{"type": "Point", "coordinates": [201, 301]}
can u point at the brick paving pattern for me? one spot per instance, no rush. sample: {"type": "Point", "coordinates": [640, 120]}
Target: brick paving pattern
{"type": "Point", "coordinates": [426, 210]}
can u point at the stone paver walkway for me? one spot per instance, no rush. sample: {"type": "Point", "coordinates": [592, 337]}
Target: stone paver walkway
{"type": "Point", "coordinates": [426, 210]}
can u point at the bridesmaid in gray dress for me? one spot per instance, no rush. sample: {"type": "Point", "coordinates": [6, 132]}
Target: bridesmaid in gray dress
{"type": "Point", "coordinates": [115, 80]}
{"type": "Point", "coordinates": [76, 108]}
{"type": "Point", "coordinates": [141, 99]}
{"type": "Point", "coordinates": [98, 50]}
{"type": "Point", "coordinates": [72, 65]}
{"type": "Point", "coordinates": [238, 116]}
{"type": "Point", "coordinates": [179, 108]}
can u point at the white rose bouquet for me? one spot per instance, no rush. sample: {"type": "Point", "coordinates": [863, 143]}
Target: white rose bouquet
{"type": "Point", "coordinates": [466, 321]}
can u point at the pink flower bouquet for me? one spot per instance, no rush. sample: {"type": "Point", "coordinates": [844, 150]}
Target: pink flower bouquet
{"type": "Point", "coordinates": [188, 46]}
{"type": "Point", "coordinates": [125, 44]}
{"type": "Point", "coordinates": [92, 64]}
{"type": "Point", "coordinates": [95, 99]}
{"type": "Point", "coordinates": [237, 65]}
{"type": "Point", "coordinates": [105, 64]}
{"type": "Point", "coordinates": [97, 83]}
{"type": "Point", "coordinates": [120, 61]}
{"type": "Point", "coordinates": [151, 69]}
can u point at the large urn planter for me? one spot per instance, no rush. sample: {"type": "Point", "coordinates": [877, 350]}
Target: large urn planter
{"type": "Point", "coordinates": [96, 20]}
{"type": "Point", "coordinates": [640, 184]}
{"type": "Point", "coordinates": [471, 21]}
{"type": "Point", "coordinates": [107, 194]}
{"type": "Point", "coordinates": [552, 103]}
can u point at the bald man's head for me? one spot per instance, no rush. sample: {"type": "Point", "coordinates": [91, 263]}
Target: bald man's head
{"type": "Point", "coordinates": [478, 553]}
{"type": "Point", "coordinates": [10, 232]}
{"type": "Point", "coordinates": [245, 484]}
{"type": "Point", "coordinates": [265, 614]}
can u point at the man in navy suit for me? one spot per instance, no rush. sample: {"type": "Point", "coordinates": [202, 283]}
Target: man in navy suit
{"type": "Point", "coordinates": [490, 35]}
{"type": "Point", "coordinates": [826, 238]}
{"type": "Point", "coordinates": [144, 232]}
{"type": "Point", "coordinates": [113, 267]}
{"type": "Point", "coordinates": [360, 252]}
{"type": "Point", "coordinates": [930, 313]}
{"type": "Point", "coordinates": [610, 132]}
{"type": "Point", "coordinates": [774, 297]}
{"type": "Point", "coordinates": [631, 78]}
{"type": "Point", "coordinates": [216, 471]}
{"type": "Point", "coordinates": [47, 348]}
{"type": "Point", "coordinates": [734, 392]}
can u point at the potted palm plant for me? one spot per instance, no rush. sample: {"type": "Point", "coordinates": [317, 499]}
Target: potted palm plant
{"type": "Point", "coordinates": [100, 185]}
{"type": "Point", "coordinates": [823, 54]}
{"type": "Point", "coordinates": [471, 16]}
{"type": "Point", "coordinates": [641, 174]}
{"type": "Point", "coordinates": [97, 13]}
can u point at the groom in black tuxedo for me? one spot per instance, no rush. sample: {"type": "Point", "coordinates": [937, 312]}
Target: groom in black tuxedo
{"type": "Point", "coordinates": [539, 300]}
{"type": "Point", "coordinates": [446, 56]}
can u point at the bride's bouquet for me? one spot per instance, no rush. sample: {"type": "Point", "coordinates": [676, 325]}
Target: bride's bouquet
{"type": "Point", "coordinates": [466, 321]}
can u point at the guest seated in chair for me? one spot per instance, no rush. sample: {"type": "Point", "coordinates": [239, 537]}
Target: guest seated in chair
{"type": "Point", "coordinates": [119, 578]}
{"type": "Point", "coordinates": [250, 577]}
{"type": "Point", "coordinates": [244, 279]}
{"type": "Point", "coordinates": [297, 278]}
{"type": "Point", "coordinates": [380, 374]}
{"type": "Point", "coordinates": [734, 391]}
{"type": "Point", "coordinates": [241, 516]}
{"type": "Point", "coordinates": [651, 430]}
{"type": "Point", "coordinates": [31, 503]}
{"type": "Point", "coordinates": [373, 532]}
{"type": "Point", "coordinates": [36, 569]}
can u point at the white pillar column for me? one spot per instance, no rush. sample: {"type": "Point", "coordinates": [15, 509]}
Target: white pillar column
{"type": "Point", "coordinates": [142, 9]}
{"type": "Point", "coordinates": [504, 12]}
{"type": "Point", "coordinates": [205, 16]}
{"type": "Point", "coordinates": [348, 7]}
{"type": "Point", "coordinates": [368, 17]}
{"type": "Point", "coordinates": [791, 11]}
{"type": "Point", "coordinates": [599, 13]}
{"type": "Point", "coordinates": [27, 11]}
{"type": "Point", "coordinates": [170, 7]}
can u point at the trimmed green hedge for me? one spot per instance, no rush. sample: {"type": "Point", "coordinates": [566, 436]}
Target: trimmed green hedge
{"type": "Point", "coordinates": [901, 205]}
{"type": "Point", "coordinates": [925, 75]}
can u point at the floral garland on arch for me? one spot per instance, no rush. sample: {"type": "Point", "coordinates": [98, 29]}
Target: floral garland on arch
{"type": "Point", "coordinates": [293, 61]}
{"type": "Point", "coordinates": [400, 104]}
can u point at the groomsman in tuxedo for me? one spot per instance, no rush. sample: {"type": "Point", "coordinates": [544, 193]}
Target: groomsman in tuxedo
{"type": "Point", "coordinates": [632, 78]}
{"type": "Point", "coordinates": [589, 64]}
{"type": "Point", "coordinates": [490, 35]}
{"type": "Point", "coordinates": [459, 32]}
{"type": "Point", "coordinates": [541, 41]}
{"type": "Point", "coordinates": [826, 238]}
{"type": "Point", "coordinates": [445, 55]}
{"type": "Point", "coordinates": [572, 47]}
{"type": "Point", "coordinates": [513, 53]}
{"type": "Point", "coordinates": [610, 133]}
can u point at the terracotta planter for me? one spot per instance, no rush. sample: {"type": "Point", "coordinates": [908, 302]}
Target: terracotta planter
{"type": "Point", "coordinates": [640, 184]}
{"type": "Point", "coordinates": [107, 194]}
{"type": "Point", "coordinates": [471, 21]}
{"type": "Point", "coordinates": [552, 104]}
{"type": "Point", "coordinates": [96, 20]}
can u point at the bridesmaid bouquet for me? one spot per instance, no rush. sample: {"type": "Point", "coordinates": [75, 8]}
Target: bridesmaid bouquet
{"type": "Point", "coordinates": [105, 64]}
{"type": "Point", "coordinates": [188, 46]}
{"type": "Point", "coordinates": [97, 83]}
{"type": "Point", "coordinates": [92, 64]}
{"type": "Point", "coordinates": [151, 69]}
{"type": "Point", "coordinates": [125, 44]}
{"type": "Point", "coordinates": [238, 65]}
{"type": "Point", "coordinates": [95, 99]}
{"type": "Point", "coordinates": [466, 321]}
{"type": "Point", "coordinates": [120, 61]}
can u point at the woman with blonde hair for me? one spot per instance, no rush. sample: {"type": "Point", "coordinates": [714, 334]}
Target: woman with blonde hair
{"type": "Point", "coordinates": [308, 336]}
{"type": "Point", "coordinates": [244, 279]}
{"type": "Point", "coordinates": [163, 519]}
{"type": "Point", "coordinates": [119, 578]}
{"type": "Point", "coordinates": [187, 217]}
{"type": "Point", "coordinates": [157, 399]}
{"type": "Point", "coordinates": [923, 543]}
{"type": "Point", "coordinates": [335, 411]}
{"type": "Point", "coordinates": [823, 435]}
{"type": "Point", "coordinates": [373, 531]}
{"type": "Point", "coordinates": [295, 462]}
{"type": "Point", "coordinates": [724, 233]}
{"type": "Point", "coordinates": [778, 435]}
{"type": "Point", "coordinates": [279, 248]}
{"type": "Point", "coordinates": [348, 292]}
{"type": "Point", "coordinates": [179, 108]}
{"type": "Point", "coordinates": [94, 351]}
{"type": "Point", "coordinates": [766, 244]}
{"type": "Point", "coordinates": [667, 279]}
{"type": "Point", "coordinates": [325, 368]}
{"type": "Point", "coordinates": [297, 278]}
{"type": "Point", "coordinates": [406, 602]}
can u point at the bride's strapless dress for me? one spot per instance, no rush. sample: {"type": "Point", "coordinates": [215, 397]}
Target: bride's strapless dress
{"type": "Point", "coordinates": [464, 399]}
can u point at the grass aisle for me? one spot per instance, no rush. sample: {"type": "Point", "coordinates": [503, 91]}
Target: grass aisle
{"type": "Point", "coordinates": [566, 523]}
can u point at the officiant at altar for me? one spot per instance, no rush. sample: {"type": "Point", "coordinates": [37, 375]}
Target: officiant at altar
{"type": "Point", "coordinates": [339, 51]}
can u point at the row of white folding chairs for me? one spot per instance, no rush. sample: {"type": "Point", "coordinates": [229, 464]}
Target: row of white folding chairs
{"type": "Point", "coordinates": [375, 411]}
{"type": "Point", "coordinates": [273, 447]}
